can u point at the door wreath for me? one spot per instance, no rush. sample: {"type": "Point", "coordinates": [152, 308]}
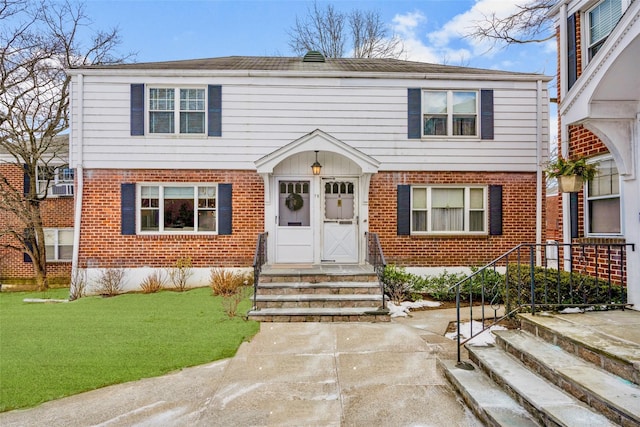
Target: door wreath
{"type": "Point", "coordinates": [294, 201]}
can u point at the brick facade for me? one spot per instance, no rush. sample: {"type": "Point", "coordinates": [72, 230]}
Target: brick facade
{"type": "Point", "coordinates": [102, 245]}
{"type": "Point", "coordinates": [57, 212]}
{"type": "Point", "coordinates": [519, 219]}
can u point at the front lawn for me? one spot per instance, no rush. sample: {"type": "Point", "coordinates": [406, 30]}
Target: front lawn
{"type": "Point", "coordinates": [48, 351]}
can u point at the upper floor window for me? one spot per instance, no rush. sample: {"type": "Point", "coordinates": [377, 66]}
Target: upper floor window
{"type": "Point", "coordinates": [601, 19]}
{"type": "Point", "coordinates": [450, 113]}
{"type": "Point", "coordinates": [178, 208]}
{"type": "Point", "coordinates": [55, 180]}
{"type": "Point", "coordinates": [189, 114]}
{"type": "Point", "coordinates": [448, 210]}
{"type": "Point", "coordinates": [58, 244]}
{"type": "Point", "coordinates": [603, 200]}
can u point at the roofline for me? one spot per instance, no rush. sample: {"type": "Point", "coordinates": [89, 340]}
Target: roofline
{"type": "Point", "coordinates": [307, 74]}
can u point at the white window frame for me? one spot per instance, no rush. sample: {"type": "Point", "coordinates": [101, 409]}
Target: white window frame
{"type": "Point", "coordinates": [56, 244]}
{"type": "Point", "coordinates": [161, 197]}
{"type": "Point", "coordinates": [588, 56]}
{"type": "Point", "coordinates": [467, 209]}
{"type": "Point", "coordinates": [587, 199]}
{"type": "Point", "coordinates": [176, 110]}
{"type": "Point", "coordinates": [61, 184]}
{"type": "Point", "coordinates": [450, 114]}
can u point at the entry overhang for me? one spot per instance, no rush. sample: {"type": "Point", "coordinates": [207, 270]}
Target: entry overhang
{"type": "Point", "coordinates": [321, 141]}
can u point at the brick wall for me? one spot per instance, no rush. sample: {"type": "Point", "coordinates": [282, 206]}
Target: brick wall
{"type": "Point", "coordinates": [102, 245]}
{"type": "Point", "coordinates": [56, 213]}
{"type": "Point", "coordinates": [519, 219]}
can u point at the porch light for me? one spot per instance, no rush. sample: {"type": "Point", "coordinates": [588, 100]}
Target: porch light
{"type": "Point", "coordinates": [315, 167]}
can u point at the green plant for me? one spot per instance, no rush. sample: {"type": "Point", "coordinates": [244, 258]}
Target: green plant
{"type": "Point", "coordinates": [153, 282]}
{"type": "Point", "coordinates": [562, 167]}
{"type": "Point", "coordinates": [397, 283]}
{"type": "Point", "coordinates": [179, 274]}
{"type": "Point", "coordinates": [231, 286]}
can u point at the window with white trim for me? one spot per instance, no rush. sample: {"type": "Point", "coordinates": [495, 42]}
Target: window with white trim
{"type": "Point", "coordinates": [177, 208]}
{"type": "Point", "coordinates": [189, 114]}
{"type": "Point", "coordinates": [448, 210]}
{"type": "Point", "coordinates": [55, 180]}
{"type": "Point", "coordinates": [603, 200]}
{"type": "Point", "coordinates": [58, 243]}
{"type": "Point", "coordinates": [450, 113]}
{"type": "Point", "coordinates": [601, 19]}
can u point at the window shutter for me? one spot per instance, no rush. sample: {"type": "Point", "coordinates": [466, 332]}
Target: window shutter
{"type": "Point", "coordinates": [404, 210]}
{"type": "Point", "coordinates": [137, 109]}
{"type": "Point", "coordinates": [414, 107]}
{"type": "Point", "coordinates": [215, 110]}
{"type": "Point", "coordinates": [26, 257]}
{"type": "Point", "coordinates": [572, 54]}
{"type": "Point", "coordinates": [225, 210]}
{"type": "Point", "coordinates": [486, 114]}
{"type": "Point", "coordinates": [573, 214]}
{"type": "Point", "coordinates": [128, 209]}
{"type": "Point", "coordinates": [26, 181]}
{"type": "Point", "coordinates": [495, 210]}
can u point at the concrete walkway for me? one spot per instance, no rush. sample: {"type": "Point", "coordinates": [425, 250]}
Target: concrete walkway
{"type": "Point", "coordinates": [290, 374]}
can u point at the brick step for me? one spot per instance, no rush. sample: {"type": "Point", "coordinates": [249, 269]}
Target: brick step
{"type": "Point", "coordinates": [546, 402]}
{"type": "Point", "coordinates": [305, 288]}
{"type": "Point", "coordinates": [617, 400]}
{"type": "Point", "coordinates": [615, 355]}
{"type": "Point", "coordinates": [352, 314]}
{"type": "Point", "coordinates": [489, 402]}
{"type": "Point", "coordinates": [318, 300]}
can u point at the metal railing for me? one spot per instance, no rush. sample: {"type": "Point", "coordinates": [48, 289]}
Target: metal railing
{"type": "Point", "coordinates": [582, 275]}
{"type": "Point", "coordinates": [259, 259]}
{"type": "Point", "coordinates": [375, 257]}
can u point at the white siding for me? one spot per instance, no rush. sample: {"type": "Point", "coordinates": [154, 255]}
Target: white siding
{"type": "Point", "coordinates": [261, 114]}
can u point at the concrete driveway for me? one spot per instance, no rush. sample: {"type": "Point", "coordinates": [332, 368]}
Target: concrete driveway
{"type": "Point", "coordinates": [290, 374]}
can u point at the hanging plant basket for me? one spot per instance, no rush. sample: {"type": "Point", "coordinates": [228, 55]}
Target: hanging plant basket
{"type": "Point", "coordinates": [570, 183]}
{"type": "Point", "coordinates": [294, 202]}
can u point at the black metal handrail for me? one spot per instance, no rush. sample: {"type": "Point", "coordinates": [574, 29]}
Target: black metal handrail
{"type": "Point", "coordinates": [603, 262]}
{"type": "Point", "coordinates": [259, 259]}
{"type": "Point", "coordinates": [375, 257]}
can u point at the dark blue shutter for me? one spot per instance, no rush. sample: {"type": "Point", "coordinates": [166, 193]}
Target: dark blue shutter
{"type": "Point", "coordinates": [414, 107]}
{"type": "Point", "coordinates": [486, 114]}
{"type": "Point", "coordinates": [572, 52]}
{"type": "Point", "coordinates": [225, 211]}
{"type": "Point", "coordinates": [495, 210]}
{"type": "Point", "coordinates": [27, 181]}
{"type": "Point", "coordinates": [215, 110]}
{"type": "Point", "coordinates": [573, 214]}
{"type": "Point", "coordinates": [128, 209]}
{"type": "Point", "coordinates": [137, 109]}
{"type": "Point", "coordinates": [26, 257]}
{"type": "Point", "coordinates": [404, 210]}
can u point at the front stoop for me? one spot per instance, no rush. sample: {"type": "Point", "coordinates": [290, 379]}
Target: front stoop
{"type": "Point", "coordinates": [322, 295]}
{"type": "Point", "coordinates": [526, 374]}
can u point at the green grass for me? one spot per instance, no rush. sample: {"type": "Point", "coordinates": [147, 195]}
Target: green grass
{"type": "Point", "coordinates": [48, 351]}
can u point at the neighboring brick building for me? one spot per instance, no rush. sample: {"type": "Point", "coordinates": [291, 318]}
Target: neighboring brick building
{"type": "Point", "coordinates": [599, 119]}
{"type": "Point", "coordinates": [196, 158]}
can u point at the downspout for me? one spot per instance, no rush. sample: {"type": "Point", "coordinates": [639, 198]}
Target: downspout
{"type": "Point", "coordinates": [79, 177]}
{"type": "Point", "coordinates": [539, 175]}
{"type": "Point", "coordinates": [564, 132]}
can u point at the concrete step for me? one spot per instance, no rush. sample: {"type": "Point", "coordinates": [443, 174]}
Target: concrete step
{"type": "Point", "coordinates": [487, 400]}
{"type": "Point", "coordinates": [617, 399]}
{"type": "Point", "coordinates": [318, 300]}
{"type": "Point", "coordinates": [546, 402]}
{"type": "Point", "coordinates": [317, 277]}
{"type": "Point", "coordinates": [303, 288]}
{"type": "Point", "coordinates": [350, 314]}
{"type": "Point", "coordinates": [613, 354]}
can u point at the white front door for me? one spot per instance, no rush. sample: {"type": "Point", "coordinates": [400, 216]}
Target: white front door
{"type": "Point", "coordinates": [339, 220]}
{"type": "Point", "coordinates": [294, 230]}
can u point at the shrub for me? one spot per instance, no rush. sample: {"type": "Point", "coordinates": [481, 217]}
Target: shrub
{"type": "Point", "coordinates": [397, 283]}
{"type": "Point", "coordinates": [110, 281]}
{"type": "Point", "coordinates": [78, 284]}
{"type": "Point", "coordinates": [231, 286]}
{"type": "Point", "coordinates": [153, 282]}
{"type": "Point", "coordinates": [180, 273]}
